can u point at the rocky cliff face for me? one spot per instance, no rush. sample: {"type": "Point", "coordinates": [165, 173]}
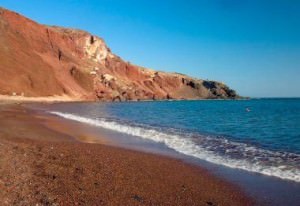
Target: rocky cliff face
{"type": "Point", "coordinates": [38, 60]}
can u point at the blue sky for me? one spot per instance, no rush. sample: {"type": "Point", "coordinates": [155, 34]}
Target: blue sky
{"type": "Point", "coordinates": [251, 45]}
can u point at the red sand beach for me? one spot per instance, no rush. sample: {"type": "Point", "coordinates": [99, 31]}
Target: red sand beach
{"type": "Point", "coordinates": [40, 165]}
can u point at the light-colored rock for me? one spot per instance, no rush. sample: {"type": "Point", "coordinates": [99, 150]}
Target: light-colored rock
{"type": "Point", "coordinates": [108, 77]}
{"type": "Point", "coordinates": [96, 50]}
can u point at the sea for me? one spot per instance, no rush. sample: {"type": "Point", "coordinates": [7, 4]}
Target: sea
{"type": "Point", "coordinates": [260, 137]}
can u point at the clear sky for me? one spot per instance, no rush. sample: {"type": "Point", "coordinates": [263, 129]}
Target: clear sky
{"type": "Point", "coordinates": [251, 45]}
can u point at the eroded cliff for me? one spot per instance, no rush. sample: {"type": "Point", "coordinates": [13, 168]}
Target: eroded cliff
{"type": "Point", "coordinates": [38, 60]}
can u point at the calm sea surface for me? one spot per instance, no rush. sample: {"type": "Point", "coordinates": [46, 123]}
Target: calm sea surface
{"type": "Point", "coordinates": [258, 135]}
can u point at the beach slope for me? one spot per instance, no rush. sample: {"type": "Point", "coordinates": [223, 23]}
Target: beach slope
{"type": "Point", "coordinates": [41, 166]}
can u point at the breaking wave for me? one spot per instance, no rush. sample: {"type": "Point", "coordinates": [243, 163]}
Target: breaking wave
{"type": "Point", "coordinates": [217, 150]}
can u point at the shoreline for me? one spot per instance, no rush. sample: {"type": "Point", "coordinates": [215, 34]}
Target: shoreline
{"type": "Point", "coordinates": [22, 99]}
{"type": "Point", "coordinates": [48, 166]}
{"type": "Point", "coordinates": [69, 99]}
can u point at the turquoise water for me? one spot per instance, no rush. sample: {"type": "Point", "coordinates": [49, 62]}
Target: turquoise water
{"type": "Point", "coordinates": [259, 135]}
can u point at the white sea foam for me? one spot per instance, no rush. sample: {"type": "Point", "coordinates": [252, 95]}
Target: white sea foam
{"type": "Point", "coordinates": [215, 150]}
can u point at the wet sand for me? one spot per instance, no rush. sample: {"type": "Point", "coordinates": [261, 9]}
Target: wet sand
{"type": "Point", "coordinates": [44, 166]}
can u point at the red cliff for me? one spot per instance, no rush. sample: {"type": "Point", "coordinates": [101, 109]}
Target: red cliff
{"type": "Point", "coordinates": [40, 61]}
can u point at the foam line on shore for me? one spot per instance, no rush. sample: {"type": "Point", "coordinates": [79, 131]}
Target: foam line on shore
{"type": "Point", "coordinates": [215, 150]}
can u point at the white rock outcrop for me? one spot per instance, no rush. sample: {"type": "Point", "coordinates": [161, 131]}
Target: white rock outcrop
{"type": "Point", "coordinates": [96, 49]}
